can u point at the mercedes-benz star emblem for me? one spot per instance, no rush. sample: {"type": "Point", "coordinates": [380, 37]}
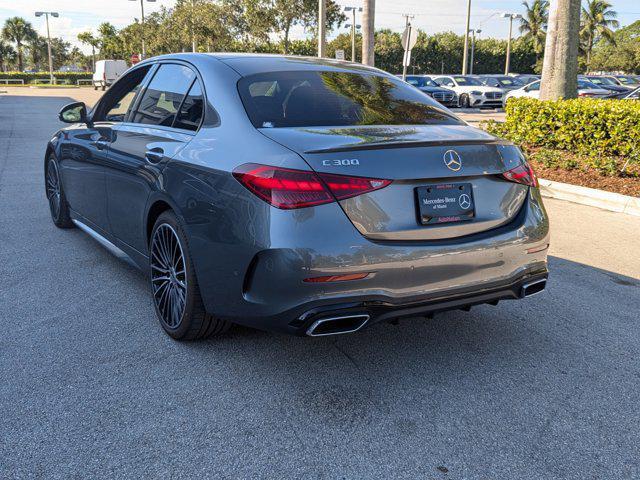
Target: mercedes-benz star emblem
{"type": "Point", "coordinates": [464, 201]}
{"type": "Point", "coordinates": [452, 160]}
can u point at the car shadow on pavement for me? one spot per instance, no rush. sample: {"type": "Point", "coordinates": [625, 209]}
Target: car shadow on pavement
{"type": "Point", "coordinates": [513, 334]}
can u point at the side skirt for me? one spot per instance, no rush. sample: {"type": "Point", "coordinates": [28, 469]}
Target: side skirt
{"type": "Point", "coordinates": [116, 251]}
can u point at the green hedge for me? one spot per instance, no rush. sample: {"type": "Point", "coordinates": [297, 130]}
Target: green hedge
{"type": "Point", "coordinates": [582, 126]}
{"type": "Point", "coordinates": [70, 78]}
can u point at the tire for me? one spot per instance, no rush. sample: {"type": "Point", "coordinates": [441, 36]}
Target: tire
{"type": "Point", "coordinates": [58, 206]}
{"type": "Point", "coordinates": [464, 101]}
{"type": "Point", "coordinates": [176, 294]}
{"type": "Point", "coordinates": [104, 87]}
{"type": "Point", "coordinates": [95, 87]}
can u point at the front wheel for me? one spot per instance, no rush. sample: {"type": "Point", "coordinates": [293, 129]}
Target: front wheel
{"type": "Point", "coordinates": [464, 101]}
{"type": "Point", "coordinates": [176, 293]}
{"type": "Point", "coordinates": [58, 206]}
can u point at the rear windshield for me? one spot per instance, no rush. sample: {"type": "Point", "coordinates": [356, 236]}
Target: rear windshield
{"type": "Point", "coordinates": [327, 98]}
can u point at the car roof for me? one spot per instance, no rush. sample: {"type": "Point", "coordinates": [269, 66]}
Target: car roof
{"type": "Point", "coordinates": [252, 63]}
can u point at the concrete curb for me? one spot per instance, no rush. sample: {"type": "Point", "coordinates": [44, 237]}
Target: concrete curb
{"type": "Point", "coordinates": [614, 202]}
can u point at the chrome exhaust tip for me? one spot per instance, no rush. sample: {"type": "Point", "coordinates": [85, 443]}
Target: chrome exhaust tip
{"type": "Point", "coordinates": [533, 288]}
{"type": "Point", "coordinates": [337, 325]}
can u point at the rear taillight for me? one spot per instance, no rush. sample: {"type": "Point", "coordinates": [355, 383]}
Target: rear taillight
{"type": "Point", "coordinates": [523, 174]}
{"type": "Point", "coordinates": [287, 188]}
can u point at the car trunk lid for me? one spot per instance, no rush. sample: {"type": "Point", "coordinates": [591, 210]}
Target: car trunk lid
{"type": "Point", "coordinates": [428, 165]}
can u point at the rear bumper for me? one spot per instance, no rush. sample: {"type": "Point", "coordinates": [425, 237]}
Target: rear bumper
{"type": "Point", "coordinates": [266, 289]}
{"type": "Point", "coordinates": [464, 299]}
{"type": "Point", "coordinates": [301, 319]}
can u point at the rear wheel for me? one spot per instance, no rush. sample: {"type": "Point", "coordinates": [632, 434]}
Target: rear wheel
{"type": "Point", "coordinates": [176, 293]}
{"type": "Point", "coordinates": [58, 206]}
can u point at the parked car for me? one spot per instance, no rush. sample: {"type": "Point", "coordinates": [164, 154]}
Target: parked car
{"type": "Point", "coordinates": [503, 82]}
{"type": "Point", "coordinates": [70, 68]}
{"type": "Point", "coordinates": [604, 82]}
{"type": "Point", "coordinates": [585, 89]}
{"type": "Point", "coordinates": [295, 195]}
{"type": "Point", "coordinates": [627, 95]}
{"type": "Point", "coordinates": [628, 81]}
{"type": "Point", "coordinates": [471, 92]}
{"type": "Point", "coordinates": [443, 95]}
{"type": "Point", "coordinates": [526, 78]}
{"type": "Point", "coordinates": [107, 72]}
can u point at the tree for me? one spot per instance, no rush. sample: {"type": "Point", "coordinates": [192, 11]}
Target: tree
{"type": "Point", "coordinates": [18, 31]}
{"type": "Point", "coordinates": [110, 43]}
{"type": "Point", "coordinates": [368, 32]}
{"type": "Point", "coordinates": [287, 13]}
{"type": "Point", "coordinates": [38, 52]}
{"type": "Point", "coordinates": [7, 55]}
{"type": "Point", "coordinates": [533, 24]}
{"type": "Point", "coordinates": [597, 21]}
{"type": "Point", "coordinates": [88, 39]}
{"type": "Point", "coordinates": [623, 55]}
{"type": "Point", "coordinates": [560, 67]}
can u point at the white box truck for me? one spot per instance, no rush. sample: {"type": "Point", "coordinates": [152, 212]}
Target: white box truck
{"type": "Point", "coordinates": [107, 72]}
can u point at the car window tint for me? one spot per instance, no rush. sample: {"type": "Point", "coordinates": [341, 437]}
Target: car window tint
{"type": "Point", "coordinates": [467, 81]}
{"type": "Point", "coordinates": [120, 98]}
{"type": "Point", "coordinates": [191, 110]}
{"type": "Point", "coordinates": [534, 86]}
{"type": "Point", "coordinates": [330, 98]}
{"type": "Point", "coordinates": [163, 96]}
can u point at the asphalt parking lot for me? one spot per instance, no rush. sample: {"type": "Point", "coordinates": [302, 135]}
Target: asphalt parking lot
{"type": "Point", "coordinates": [90, 386]}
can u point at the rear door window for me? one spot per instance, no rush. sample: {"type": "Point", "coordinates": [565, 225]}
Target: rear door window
{"type": "Point", "coordinates": [336, 98]}
{"type": "Point", "coordinates": [163, 97]}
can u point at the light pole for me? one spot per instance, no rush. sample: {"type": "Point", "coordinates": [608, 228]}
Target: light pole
{"type": "Point", "coordinates": [466, 39]}
{"type": "Point", "coordinates": [144, 51]}
{"type": "Point", "coordinates": [46, 15]}
{"type": "Point", "coordinates": [510, 16]}
{"type": "Point", "coordinates": [473, 46]}
{"type": "Point", "coordinates": [353, 26]}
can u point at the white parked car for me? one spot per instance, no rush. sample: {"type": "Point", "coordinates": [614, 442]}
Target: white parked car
{"type": "Point", "coordinates": [585, 89]}
{"type": "Point", "coordinates": [471, 92]}
{"type": "Point", "coordinates": [107, 72]}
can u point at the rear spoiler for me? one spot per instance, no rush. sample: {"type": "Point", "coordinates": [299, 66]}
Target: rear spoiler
{"type": "Point", "coordinates": [406, 144]}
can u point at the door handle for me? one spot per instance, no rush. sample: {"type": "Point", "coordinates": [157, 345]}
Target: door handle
{"type": "Point", "coordinates": [100, 144]}
{"type": "Point", "coordinates": [154, 155]}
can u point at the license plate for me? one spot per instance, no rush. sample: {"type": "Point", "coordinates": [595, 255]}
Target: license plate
{"type": "Point", "coordinates": [445, 203]}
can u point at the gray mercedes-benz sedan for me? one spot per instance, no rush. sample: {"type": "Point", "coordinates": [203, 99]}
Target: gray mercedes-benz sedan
{"type": "Point", "coordinates": [299, 195]}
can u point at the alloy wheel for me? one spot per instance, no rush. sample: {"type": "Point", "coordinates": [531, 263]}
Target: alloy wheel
{"type": "Point", "coordinates": [168, 275]}
{"type": "Point", "coordinates": [53, 188]}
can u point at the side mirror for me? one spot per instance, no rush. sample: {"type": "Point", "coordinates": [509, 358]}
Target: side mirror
{"type": "Point", "coordinates": [74, 113]}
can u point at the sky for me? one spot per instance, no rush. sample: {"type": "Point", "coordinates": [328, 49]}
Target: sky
{"type": "Point", "coordinates": [430, 15]}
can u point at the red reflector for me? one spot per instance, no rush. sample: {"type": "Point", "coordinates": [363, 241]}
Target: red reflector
{"type": "Point", "coordinates": [523, 174]}
{"type": "Point", "coordinates": [337, 278]}
{"type": "Point", "coordinates": [287, 188]}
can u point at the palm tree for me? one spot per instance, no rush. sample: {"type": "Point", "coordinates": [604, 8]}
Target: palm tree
{"type": "Point", "coordinates": [533, 24]}
{"type": "Point", "coordinates": [18, 31]}
{"type": "Point", "coordinates": [89, 39]}
{"type": "Point", "coordinates": [597, 22]}
{"type": "Point", "coordinates": [7, 55]}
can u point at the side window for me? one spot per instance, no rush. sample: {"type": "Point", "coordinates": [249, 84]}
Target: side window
{"type": "Point", "coordinates": [120, 97]}
{"type": "Point", "coordinates": [191, 111]}
{"type": "Point", "coordinates": [534, 87]}
{"type": "Point", "coordinates": [162, 98]}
